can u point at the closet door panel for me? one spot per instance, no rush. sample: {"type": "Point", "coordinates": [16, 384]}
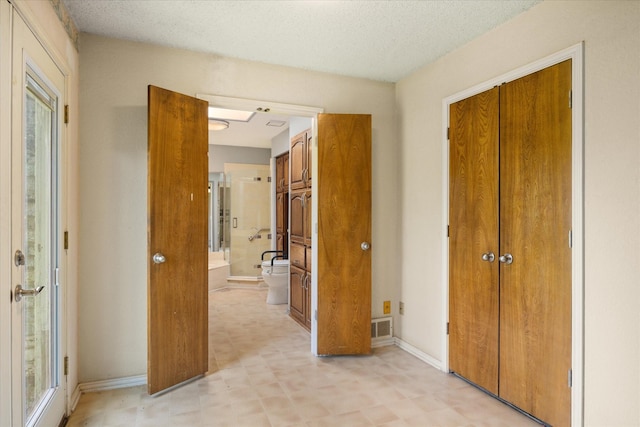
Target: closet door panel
{"type": "Point", "coordinates": [535, 212]}
{"type": "Point", "coordinates": [473, 232]}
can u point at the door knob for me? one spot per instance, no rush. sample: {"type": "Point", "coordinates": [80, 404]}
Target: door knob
{"type": "Point", "coordinates": [506, 259]}
{"type": "Point", "coordinates": [19, 292]}
{"type": "Point", "coordinates": [489, 256]}
{"type": "Point", "coordinates": [365, 246]}
{"type": "Point", "coordinates": [159, 258]}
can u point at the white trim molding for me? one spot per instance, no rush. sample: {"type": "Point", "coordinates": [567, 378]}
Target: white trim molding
{"type": "Point", "coordinates": [112, 384]}
{"type": "Point", "coordinates": [576, 54]}
{"type": "Point", "coordinates": [420, 355]}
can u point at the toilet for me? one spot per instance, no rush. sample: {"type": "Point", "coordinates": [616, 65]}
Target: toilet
{"type": "Point", "coordinates": [276, 276]}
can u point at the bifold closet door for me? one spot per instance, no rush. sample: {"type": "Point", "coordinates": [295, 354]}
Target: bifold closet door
{"type": "Point", "coordinates": [535, 226]}
{"type": "Point", "coordinates": [473, 238]}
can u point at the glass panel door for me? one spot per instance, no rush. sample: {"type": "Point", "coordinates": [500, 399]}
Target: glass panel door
{"type": "Point", "coordinates": [39, 304]}
{"type": "Point", "coordinates": [37, 338]}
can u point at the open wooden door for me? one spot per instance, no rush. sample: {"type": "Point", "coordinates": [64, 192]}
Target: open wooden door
{"type": "Point", "coordinates": [344, 234]}
{"type": "Point", "coordinates": [177, 296]}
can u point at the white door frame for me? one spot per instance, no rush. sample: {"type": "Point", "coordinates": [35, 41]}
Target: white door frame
{"type": "Point", "coordinates": [576, 54]}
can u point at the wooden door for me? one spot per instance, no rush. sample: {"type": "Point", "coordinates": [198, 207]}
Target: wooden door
{"type": "Point", "coordinates": [177, 239]}
{"type": "Point", "coordinates": [473, 239]}
{"type": "Point", "coordinates": [535, 212]}
{"type": "Point", "coordinates": [344, 224]}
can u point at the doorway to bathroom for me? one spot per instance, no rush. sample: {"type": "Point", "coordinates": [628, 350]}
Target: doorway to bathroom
{"type": "Point", "coordinates": [242, 193]}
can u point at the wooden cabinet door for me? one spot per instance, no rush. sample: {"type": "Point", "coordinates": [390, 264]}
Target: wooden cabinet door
{"type": "Point", "coordinates": [473, 239]}
{"type": "Point", "coordinates": [309, 150]}
{"type": "Point", "coordinates": [280, 242]}
{"type": "Point", "coordinates": [306, 211]}
{"type": "Point", "coordinates": [279, 174]}
{"type": "Point", "coordinates": [535, 221]}
{"type": "Point", "coordinates": [280, 210]}
{"type": "Point", "coordinates": [297, 216]}
{"type": "Point", "coordinates": [285, 172]}
{"type": "Point", "coordinates": [298, 159]}
{"type": "Point", "coordinates": [297, 294]}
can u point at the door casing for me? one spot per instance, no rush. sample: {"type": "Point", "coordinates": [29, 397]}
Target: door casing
{"type": "Point", "coordinates": [576, 54]}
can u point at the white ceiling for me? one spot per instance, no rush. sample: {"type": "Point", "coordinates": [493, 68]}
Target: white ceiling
{"type": "Point", "coordinates": [379, 40]}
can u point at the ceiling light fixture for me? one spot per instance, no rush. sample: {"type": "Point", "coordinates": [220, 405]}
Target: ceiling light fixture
{"type": "Point", "coordinates": [226, 114]}
{"type": "Point", "coordinates": [215, 124]}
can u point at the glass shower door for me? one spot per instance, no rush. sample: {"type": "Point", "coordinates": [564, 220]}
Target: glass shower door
{"type": "Point", "coordinates": [247, 217]}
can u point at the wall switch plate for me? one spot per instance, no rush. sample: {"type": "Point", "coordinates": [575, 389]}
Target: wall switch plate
{"type": "Point", "coordinates": [401, 310]}
{"type": "Point", "coordinates": [386, 307]}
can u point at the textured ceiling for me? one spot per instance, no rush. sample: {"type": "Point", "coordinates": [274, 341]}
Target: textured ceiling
{"type": "Point", "coordinates": [379, 40]}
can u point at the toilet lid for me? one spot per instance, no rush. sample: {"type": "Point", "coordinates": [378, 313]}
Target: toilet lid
{"type": "Point", "coordinates": [279, 266]}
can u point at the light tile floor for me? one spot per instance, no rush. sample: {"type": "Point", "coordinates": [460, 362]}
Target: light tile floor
{"type": "Point", "coordinates": [261, 373]}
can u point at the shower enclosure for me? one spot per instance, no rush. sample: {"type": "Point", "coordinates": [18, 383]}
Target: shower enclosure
{"type": "Point", "coordinates": [245, 223]}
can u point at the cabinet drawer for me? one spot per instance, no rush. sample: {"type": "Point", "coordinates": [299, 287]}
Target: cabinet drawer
{"type": "Point", "coordinates": [298, 256]}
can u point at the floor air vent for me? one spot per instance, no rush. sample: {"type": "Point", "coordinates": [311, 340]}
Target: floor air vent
{"type": "Point", "coordinates": [381, 331]}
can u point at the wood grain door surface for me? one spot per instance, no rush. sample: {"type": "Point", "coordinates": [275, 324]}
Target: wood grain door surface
{"type": "Point", "coordinates": [473, 232]}
{"type": "Point", "coordinates": [344, 223]}
{"type": "Point", "coordinates": [535, 212]}
{"type": "Point", "coordinates": [177, 229]}
{"type": "Point", "coordinates": [530, 357]}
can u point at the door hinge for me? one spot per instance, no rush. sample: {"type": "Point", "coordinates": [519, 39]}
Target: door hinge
{"type": "Point", "coordinates": [66, 365]}
{"type": "Point", "coordinates": [66, 240]}
{"type": "Point", "coordinates": [66, 114]}
{"type": "Point", "coordinates": [447, 133]}
{"type": "Point", "coordinates": [570, 99]}
{"type": "Point", "coordinates": [447, 328]}
{"type": "Point", "coordinates": [570, 239]}
{"type": "Point", "coordinates": [447, 231]}
{"type": "Point", "coordinates": [570, 378]}
{"type": "Point", "coordinates": [268, 179]}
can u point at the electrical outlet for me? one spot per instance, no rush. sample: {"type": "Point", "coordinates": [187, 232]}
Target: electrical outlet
{"type": "Point", "coordinates": [401, 310]}
{"type": "Point", "coordinates": [386, 307]}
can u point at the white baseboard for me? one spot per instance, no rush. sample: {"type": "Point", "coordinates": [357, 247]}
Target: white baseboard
{"type": "Point", "coordinates": [382, 342]}
{"type": "Point", "coordinates": [419, 354]}
{"type": "Point", "coordinates": [112, 384]}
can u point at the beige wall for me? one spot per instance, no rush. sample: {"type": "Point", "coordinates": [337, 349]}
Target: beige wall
{"type": "Point", "coordinates": [113, 139]}
{"type": "Point", "coordinates": [611, 35]}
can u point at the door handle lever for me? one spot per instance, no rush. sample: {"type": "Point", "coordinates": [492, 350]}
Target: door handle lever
{"type": "Point", "coordinates": [20, 292]}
